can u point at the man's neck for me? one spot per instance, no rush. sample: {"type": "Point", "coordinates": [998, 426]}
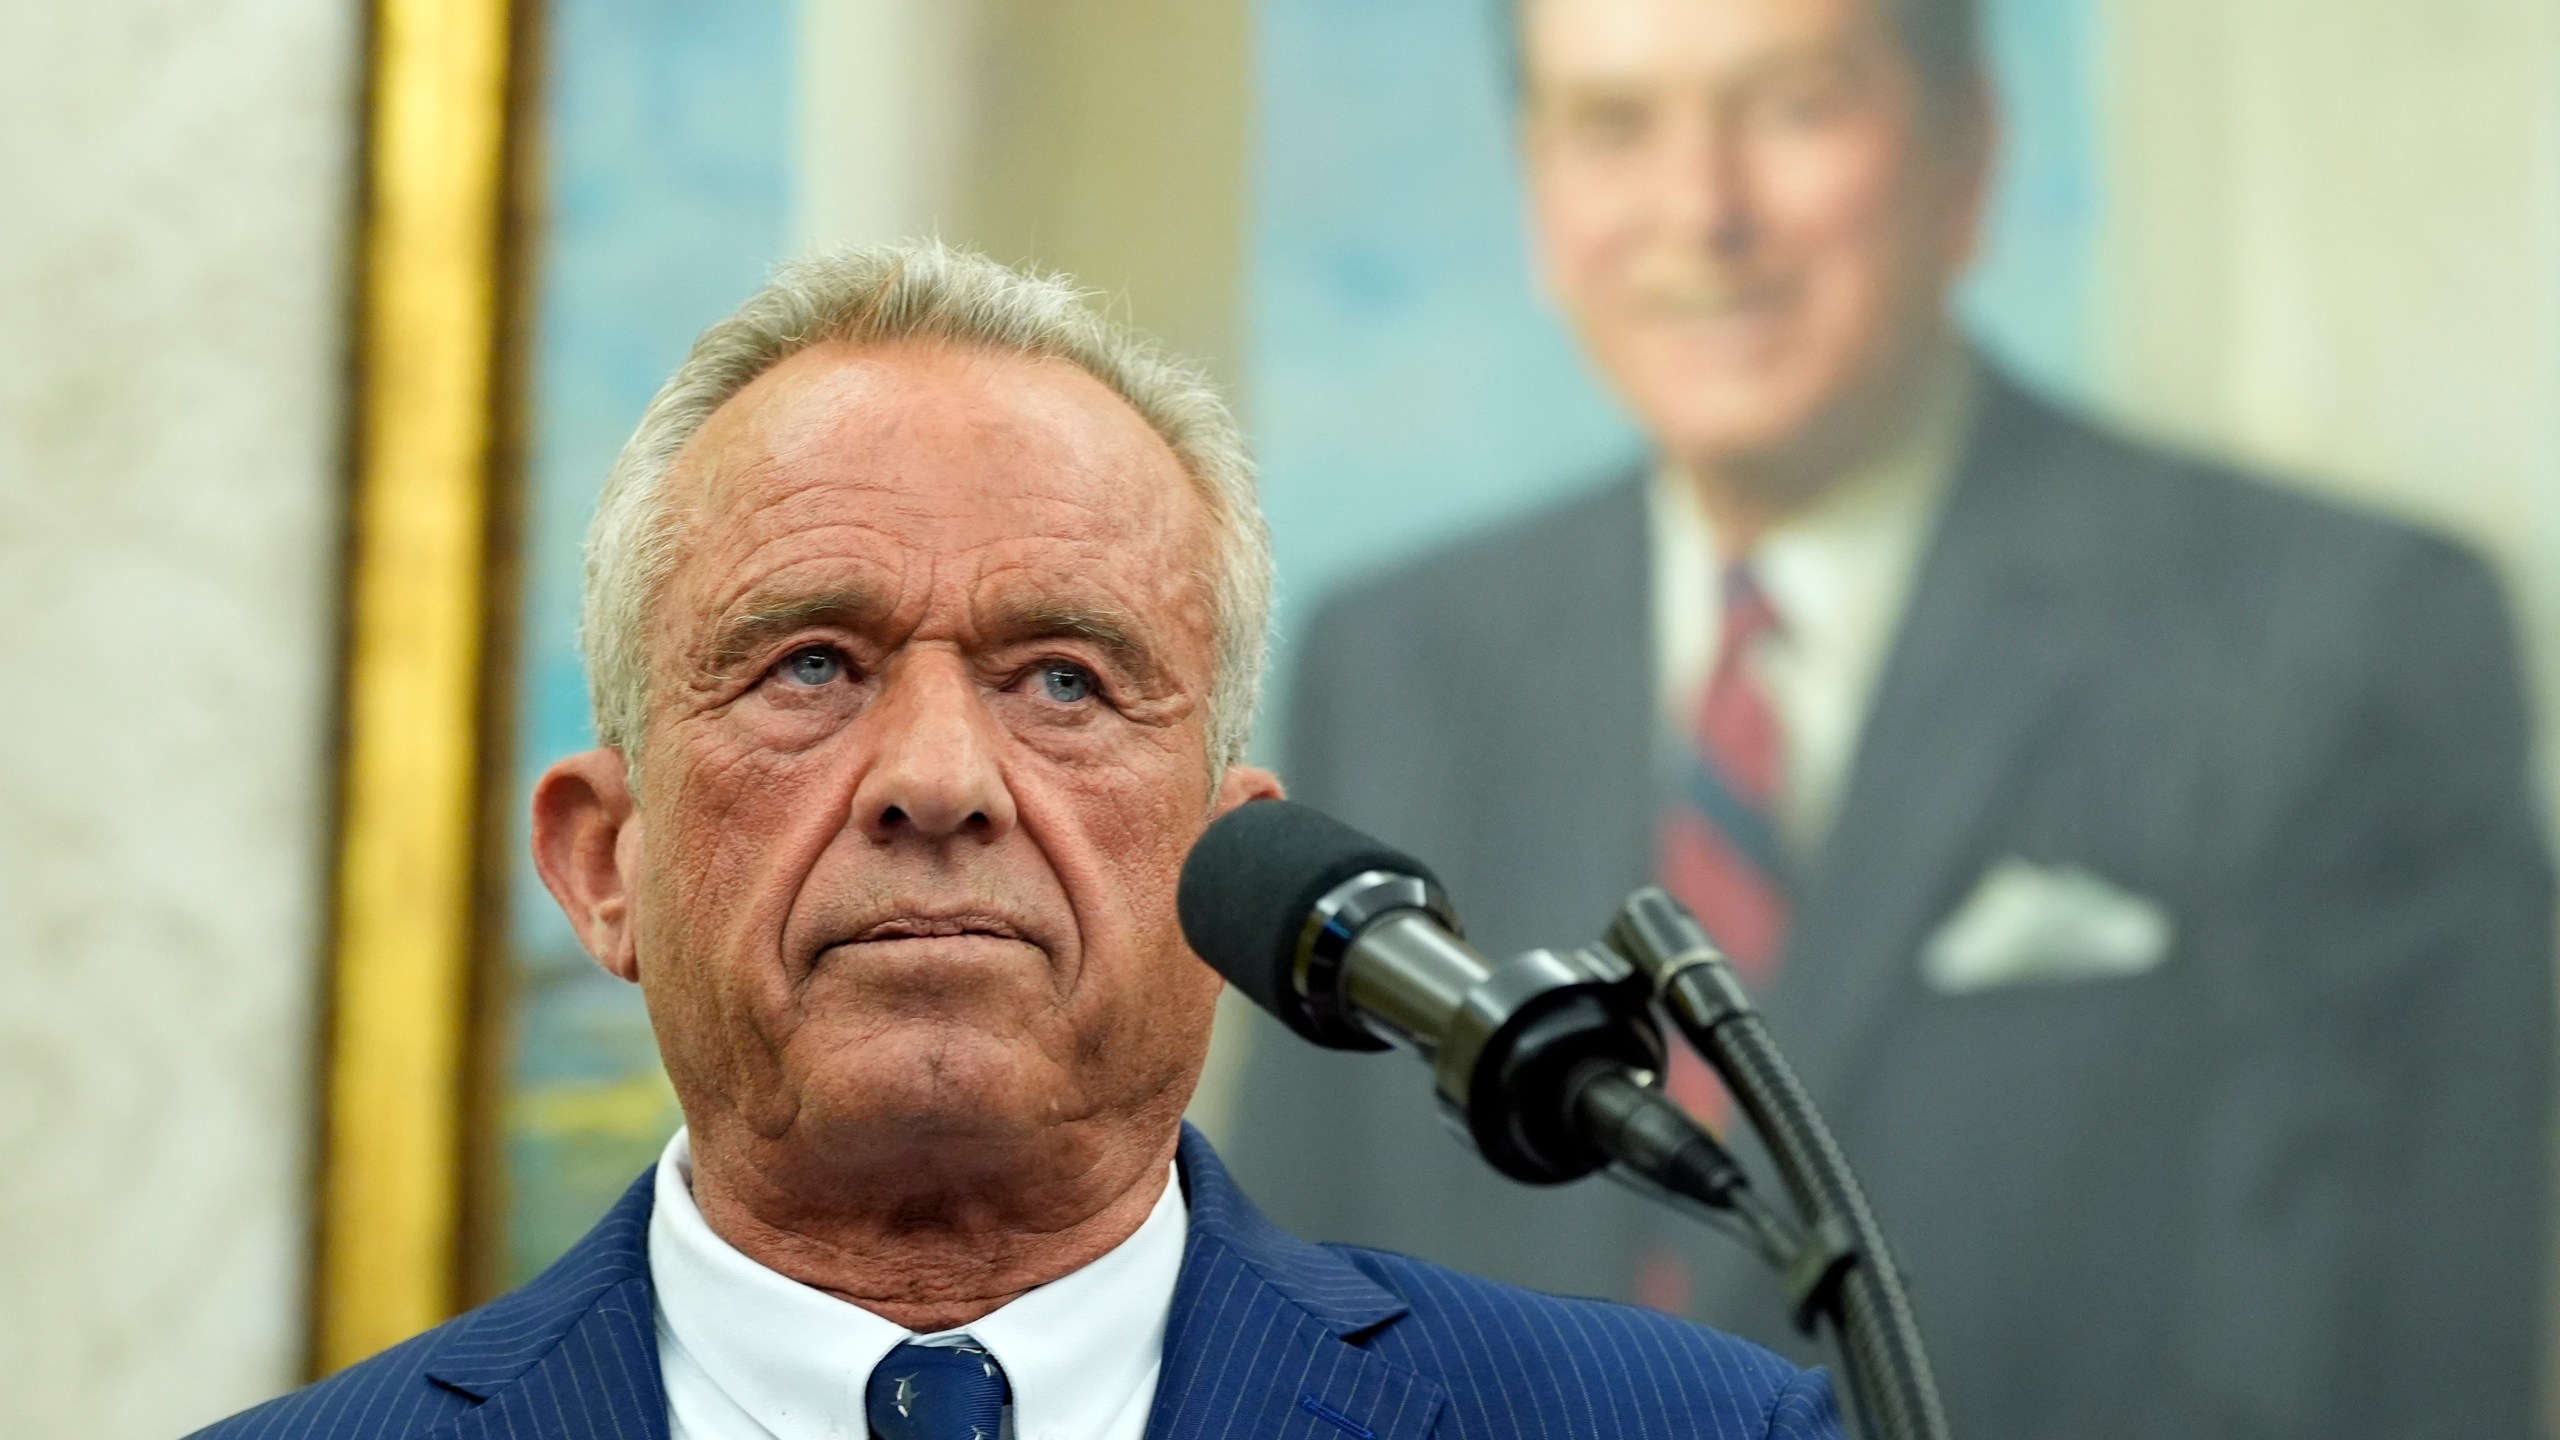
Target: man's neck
{"type": "Point", "coordinates": [933, 1241]}
{"type": "Point", "coordinates": [1746, 496]}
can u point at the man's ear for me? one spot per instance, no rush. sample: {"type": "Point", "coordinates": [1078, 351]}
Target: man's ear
{"type": "Point", "coordinates": [586, 832]}
{"type": "Point", "coordinates": [1244, 784]}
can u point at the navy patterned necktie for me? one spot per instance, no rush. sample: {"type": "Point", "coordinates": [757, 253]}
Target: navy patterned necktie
{"type": "Point", "coordinates": [937, 1392]}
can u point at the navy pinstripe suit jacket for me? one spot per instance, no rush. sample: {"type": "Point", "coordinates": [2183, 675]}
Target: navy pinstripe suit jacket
{"type": "Point", "coordinates": [1270, 1336]}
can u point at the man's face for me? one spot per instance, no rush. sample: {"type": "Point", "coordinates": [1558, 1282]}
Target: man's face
{"type": "Point", "coordinates": [927, 745]}
{"type": "Point", "coordinates": [1738, 208]}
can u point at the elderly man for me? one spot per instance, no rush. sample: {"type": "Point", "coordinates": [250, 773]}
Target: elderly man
{"type": "Point", "coordinates": [924, 614]}
{"type": "Point", "coordinates": [2139, 861]}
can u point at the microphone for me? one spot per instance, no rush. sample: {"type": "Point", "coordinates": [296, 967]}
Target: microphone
{"type": "Point", "coordinates": [1545, 1061]}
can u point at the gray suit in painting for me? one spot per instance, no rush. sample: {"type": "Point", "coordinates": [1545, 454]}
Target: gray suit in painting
{"type": "Point", "coordinates": [2288, 1182]}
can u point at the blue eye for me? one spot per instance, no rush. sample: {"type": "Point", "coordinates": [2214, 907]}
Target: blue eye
{"type": "Point", "coordinates": [812, 665]}
{"type": "Point", "coordinates": [1066, 684]}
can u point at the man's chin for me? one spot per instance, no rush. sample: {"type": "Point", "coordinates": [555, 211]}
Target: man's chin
{"type": "Point", "coordinates": [1730, 441]}
{"type": "Point", "coordinates": [1714, 415]}
{"type": "Point", "coordinates": [939, 1081]}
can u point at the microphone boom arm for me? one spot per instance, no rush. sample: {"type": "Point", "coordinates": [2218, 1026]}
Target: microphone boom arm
{"type": "Point", "coordinates": [1845, 1274]}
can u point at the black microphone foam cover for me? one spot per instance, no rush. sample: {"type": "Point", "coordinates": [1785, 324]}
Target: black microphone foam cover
{"type": "Point", "coordinates": [1251, 881]}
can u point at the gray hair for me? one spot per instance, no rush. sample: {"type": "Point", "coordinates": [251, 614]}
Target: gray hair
{"type": "Point", "coordinates": [932, 292]}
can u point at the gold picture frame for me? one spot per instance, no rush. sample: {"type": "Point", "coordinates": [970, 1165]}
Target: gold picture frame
{"type": "Point", "coordinates": [433, 301]}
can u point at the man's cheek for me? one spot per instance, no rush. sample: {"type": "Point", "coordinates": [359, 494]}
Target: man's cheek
{"type": "Point", "coordinates": [727, 879]}
{"type": "Point", "coordinates": [744, 793]}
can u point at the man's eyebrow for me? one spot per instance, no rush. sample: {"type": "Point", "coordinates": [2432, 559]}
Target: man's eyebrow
{"type": "Point", "coordinates": [1837, 56]}
{"type": "Point", "coordinates": [1113, 631]}
{"type": "Point", "coordinates": [759, 622]}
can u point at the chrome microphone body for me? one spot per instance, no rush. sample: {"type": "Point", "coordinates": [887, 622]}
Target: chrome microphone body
{"type": "Point", "coordinates": [1354, 946]}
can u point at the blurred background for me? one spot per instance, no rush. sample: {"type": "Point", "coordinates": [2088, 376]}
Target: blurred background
{"type": "Point", "coordinates": [2323, 239]}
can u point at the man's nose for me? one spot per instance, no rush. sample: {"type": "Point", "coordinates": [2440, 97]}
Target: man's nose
{"type": "Point", "coordinates": [935, 772]}
{"type": "Point", "coordinates": [1704, 183]}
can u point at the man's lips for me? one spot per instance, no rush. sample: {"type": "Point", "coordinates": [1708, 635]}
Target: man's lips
{"type": "Point", "coordinates": [1717, 304]}
{"type": "Point", "coordinates": [929, 935]}
{"type": "Point", "coordinates": [937, 927]}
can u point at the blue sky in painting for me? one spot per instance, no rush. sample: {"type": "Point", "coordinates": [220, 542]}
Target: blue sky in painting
{"type": "Point", "coordinates": [2029, 299]}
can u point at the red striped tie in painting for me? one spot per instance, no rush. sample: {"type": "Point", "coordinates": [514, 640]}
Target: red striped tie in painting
{"type": "Point", "coordinates": [1718, 845]}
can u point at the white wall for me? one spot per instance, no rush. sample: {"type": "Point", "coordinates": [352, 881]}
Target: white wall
{"type": "Point", "coordinates": [171, 342]}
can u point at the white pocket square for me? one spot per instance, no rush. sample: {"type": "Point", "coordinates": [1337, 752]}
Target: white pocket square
{"type": "Point", "coordinates": [2027, 924]}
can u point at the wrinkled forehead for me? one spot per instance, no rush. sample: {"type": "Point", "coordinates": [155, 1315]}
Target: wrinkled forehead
{"type": "Point", "coordinates": [933, 466]}
{"type": "Point", "coordinates": [1603, 41]}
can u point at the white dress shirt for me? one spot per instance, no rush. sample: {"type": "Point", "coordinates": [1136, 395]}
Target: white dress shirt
{"type": "Point", "coordinates": [750, 1355]}
{"type": "Point", "coordinates": [1838, 574]}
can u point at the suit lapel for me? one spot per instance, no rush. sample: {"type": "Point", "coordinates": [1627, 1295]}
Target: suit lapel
{"type": "Point", "coordinates": [1981, 668]}
{"type": "Point", "coordinates": [1265, 1337]}
{"type": "Point", "coordinates": [1559, 835]}
{"type": "Point", "coordinates": [572, 1356]}
{"type": "Point", "coordinates": [1609, 712]}
{"type": "Point", "coordinates": [600, 1382]}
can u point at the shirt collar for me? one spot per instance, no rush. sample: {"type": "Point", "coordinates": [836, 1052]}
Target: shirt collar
{"type": "Point", "coordinates": [1078, 1351]}
{"type": "Point", "coordinates": [1838, 572]}
{"type": "Point", "coordinates": [1883, 505]}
